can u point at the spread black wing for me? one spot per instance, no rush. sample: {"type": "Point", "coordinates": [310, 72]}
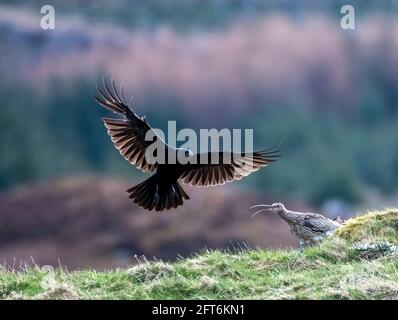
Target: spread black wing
{"type": "Point", "coordinates": [230, 167]}
{"type": "Point", "coordinates": [127, 134]}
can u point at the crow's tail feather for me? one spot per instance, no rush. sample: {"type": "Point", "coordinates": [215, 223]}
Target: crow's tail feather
{"type": "Point", "coordinates": [152, 194]}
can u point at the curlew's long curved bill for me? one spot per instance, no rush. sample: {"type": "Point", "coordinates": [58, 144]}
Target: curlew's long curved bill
{"type": "Point", "coordinates": [264, 206]}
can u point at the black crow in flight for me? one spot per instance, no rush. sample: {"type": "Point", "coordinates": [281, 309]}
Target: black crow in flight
{"type": "Point", "coordinates": [162, 190]}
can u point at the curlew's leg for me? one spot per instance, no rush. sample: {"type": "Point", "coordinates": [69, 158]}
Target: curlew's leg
{"type": "Point", "coordinates": [302, 245]}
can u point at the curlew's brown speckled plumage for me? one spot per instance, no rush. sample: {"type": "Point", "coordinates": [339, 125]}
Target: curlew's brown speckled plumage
{"type": "Point", "coordinates": [309, 228]}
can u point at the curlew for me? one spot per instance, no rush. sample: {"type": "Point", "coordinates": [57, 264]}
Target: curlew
{"type": "Point", "coordinates": [309, 228]}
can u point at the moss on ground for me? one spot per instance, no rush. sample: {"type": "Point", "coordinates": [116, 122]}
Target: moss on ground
{"type": "Point", "coordinates": [374, 226]}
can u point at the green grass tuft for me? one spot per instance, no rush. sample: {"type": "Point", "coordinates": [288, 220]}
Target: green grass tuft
{"type": "Point", "coordinates": [357, 262]}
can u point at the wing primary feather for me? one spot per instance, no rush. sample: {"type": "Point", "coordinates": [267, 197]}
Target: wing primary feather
{"type": "Point", "coordinates": [115, 91]}
{"type": "Point", "coordinates": [109, 91]}
{"type": "Point", "coordinates": [122, 93]}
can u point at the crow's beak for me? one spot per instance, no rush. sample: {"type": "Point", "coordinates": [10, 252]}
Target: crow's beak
{"type": "Point", "coordinates": [264, 206]}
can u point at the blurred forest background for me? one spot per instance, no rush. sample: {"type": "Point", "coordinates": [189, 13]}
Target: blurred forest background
{"type": "Point", "coordinates": [282, 67]}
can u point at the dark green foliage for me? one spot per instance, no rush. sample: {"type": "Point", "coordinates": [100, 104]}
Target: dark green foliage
{"type": "Point", "coordinates": [324, 155]}
{"type": "Point", "coordinates": [332, 147]}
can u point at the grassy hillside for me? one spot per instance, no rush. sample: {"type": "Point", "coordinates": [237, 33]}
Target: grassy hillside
{"type": "Point", "coordinates": [359, 262]}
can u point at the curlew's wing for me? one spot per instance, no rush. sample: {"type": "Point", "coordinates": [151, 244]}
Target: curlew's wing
{"type": "Point", "coordinates": [319, 223]}
{"type": "Point", "coordinates": [230, 167]}
{"type": "Point", "coordinates": [127, 134]}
